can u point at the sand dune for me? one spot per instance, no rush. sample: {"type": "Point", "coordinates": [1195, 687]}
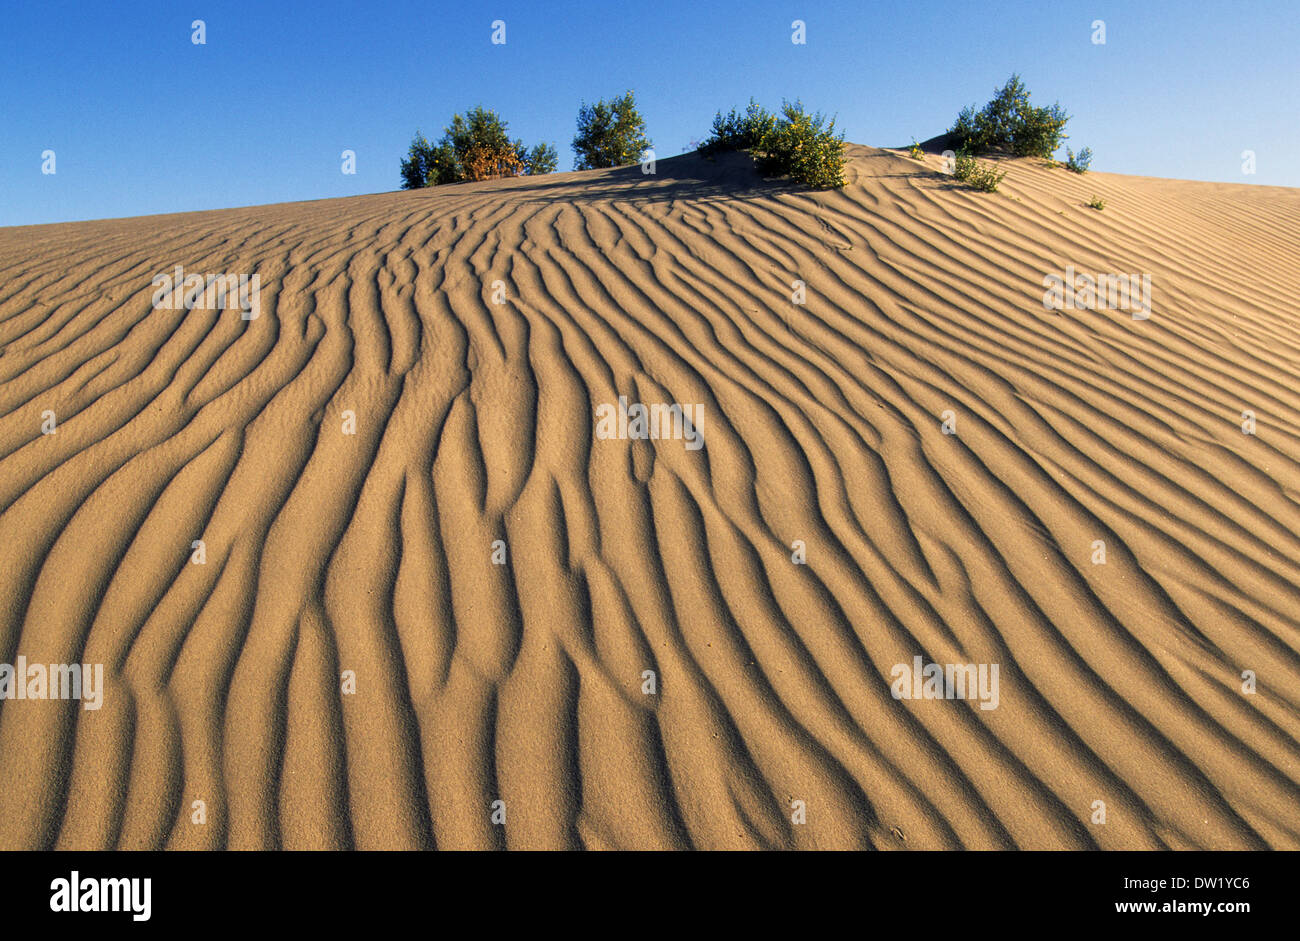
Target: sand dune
{"type": "Point", "coordinates": [523, 682]}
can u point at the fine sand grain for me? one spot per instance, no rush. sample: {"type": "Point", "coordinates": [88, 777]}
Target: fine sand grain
{"type": "Point", "coordinates": [524, 682]}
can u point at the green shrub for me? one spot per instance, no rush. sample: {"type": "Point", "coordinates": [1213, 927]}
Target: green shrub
{"type": "Point", "coordinates": [542, 159]}
{"type": "Point", "coordinates": [1097, 203]}
{"type": "Point", "coordinates": [610, 134]}
{"type": "Point", "coordinates": [977, 176]}
{"type": "Point", "coordinates": [1010, 123]}
{"type": "Point", "coordinates": [475, 146]}
{"type": "Point", "coordinates": [419, 159]}
{"type": "Point", "coordinates": [1078, 162]}
{"type": "Point", "coordinates": [915, 151]}
{"type": "Point", "coordinates": [739, 131]}
{"type": "Point", "coordinates": [804, 147]}
{"type": "Point", "coordinates": [799, 145]}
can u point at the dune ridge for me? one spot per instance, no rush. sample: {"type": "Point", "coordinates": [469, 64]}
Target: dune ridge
{"type": "Point", "coordinates": [523, 682]}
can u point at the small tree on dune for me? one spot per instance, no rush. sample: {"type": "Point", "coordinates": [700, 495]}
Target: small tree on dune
{"type": "Point", "coordinates": [804, 146]}
{"type": "Point", "coordinates": [736, 131]}
{"type": "Point", "coordinates": [1010, 123]}
{"type": "Point", "coordinates": [475, 146]}
{"type": "Point", "coordinates": [418, 162]}
{"type": "Point", "coordinates": [610, 134]}
{"type": "Point", "coordinates": [796, 143]}
{"type": "Point", "coordinates": [542, 159]}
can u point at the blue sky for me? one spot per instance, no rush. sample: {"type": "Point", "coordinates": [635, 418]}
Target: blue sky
{"type": "Point", "coordinates": [143, 121]}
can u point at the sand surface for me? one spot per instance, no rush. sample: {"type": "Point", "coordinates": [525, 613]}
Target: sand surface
{"type": "Point", "coordinates": [523, 682]}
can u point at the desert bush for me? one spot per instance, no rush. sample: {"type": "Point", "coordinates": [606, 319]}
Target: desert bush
{"type": "Point", "coordinates": [976, 175]}
{"type": "Point", "coordinates": [915, 151]}
{"type": "Point", "coordinates": [1078, 162]}
{"type": "Point", "coordinates": [610, 134]}
{"type": "Point", "coordinates": [797, 144]}
{"type": "Point", "coordinates": [1010, 123]}
{"type": "Point", "coordinates": [739, 131]}
{"type": "Point", "coordinates": [1097, 203]}
{"type": "Point", "coordinates": [416, 166]}
{"type": "Point", "coordinates": [475, 146]}
{"type": "Point", "coordinates": [542, 159]}
{"type": "Point", "coordinates": [804, 147]}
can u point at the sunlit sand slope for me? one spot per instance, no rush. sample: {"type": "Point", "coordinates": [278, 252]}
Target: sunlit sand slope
{"type": "Point", "coordinates": [426, 585]}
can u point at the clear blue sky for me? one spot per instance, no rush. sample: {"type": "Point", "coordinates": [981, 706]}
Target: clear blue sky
{"type": "Point", "coordinates": [143, 121]}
